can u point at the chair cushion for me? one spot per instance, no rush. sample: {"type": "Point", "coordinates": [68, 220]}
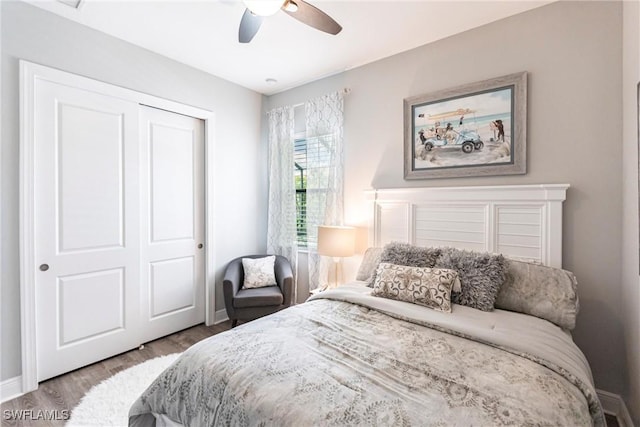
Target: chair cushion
{"type": "Point", "coordinates": [258, 297]}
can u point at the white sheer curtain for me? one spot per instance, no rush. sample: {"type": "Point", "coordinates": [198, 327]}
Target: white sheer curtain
{"type": "Point", "coordinates": [281, 225]}
{"type": "Point", "coordinates": [324, 118]}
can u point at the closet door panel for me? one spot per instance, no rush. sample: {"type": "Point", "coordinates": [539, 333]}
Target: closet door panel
{"type": "Point", "coordinates": [98, 296]}
{"type": "Point", "coordinates": [90, 161]}
{"type": "Point", "coordinates": [173, 221]}
{"type": "Point", "coordinates": [171, 285]}
{"type": "Point", "coordinates": [86, 227]}
{"type": "Point", "coordinates": [172, 187]}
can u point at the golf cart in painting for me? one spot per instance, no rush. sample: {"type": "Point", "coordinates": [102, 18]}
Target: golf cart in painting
{"type": "Point", "coordinates": [438, 136]}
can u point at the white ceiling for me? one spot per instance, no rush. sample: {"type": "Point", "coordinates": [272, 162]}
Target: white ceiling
{"type": "Point", "coordinates": [204, 34]}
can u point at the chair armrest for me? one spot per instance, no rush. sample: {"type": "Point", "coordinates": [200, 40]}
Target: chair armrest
{"type": "Point", "coordinates": [231, 284]}
{"type": "Point", "coordinates": [284, 278]}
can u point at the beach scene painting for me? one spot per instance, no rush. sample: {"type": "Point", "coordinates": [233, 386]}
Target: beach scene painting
{"type": "Point", "coordinates": [469, 131]}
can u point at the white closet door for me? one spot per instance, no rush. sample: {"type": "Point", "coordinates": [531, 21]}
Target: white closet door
{"type": "Point", "coordinates": [86, 226]}
{"type": "Point", "coordinates": [172, 251]}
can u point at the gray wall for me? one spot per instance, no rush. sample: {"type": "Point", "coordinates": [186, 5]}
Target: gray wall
{"type": "Point", "coordinates": [630, 139]}
{"type": "Point", "coordinates": [572, 51]}
{"type": "Point", "coordinates": [39, 36]}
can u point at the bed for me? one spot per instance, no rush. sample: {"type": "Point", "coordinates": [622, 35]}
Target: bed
{"type": "Point", "coordinates": [350, 356]}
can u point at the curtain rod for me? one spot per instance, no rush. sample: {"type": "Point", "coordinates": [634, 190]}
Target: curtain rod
{"type": "Point", "coordinates": [344, 91]}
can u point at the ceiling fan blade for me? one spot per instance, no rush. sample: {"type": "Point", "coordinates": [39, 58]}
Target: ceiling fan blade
{"type": "Point", "coordinates": [249, 26]}
{"type": "Point", "coordinates": [314, 17]}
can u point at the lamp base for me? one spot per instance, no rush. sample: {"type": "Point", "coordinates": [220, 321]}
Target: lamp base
{"type": "Point", "coordinates": [336, 264]}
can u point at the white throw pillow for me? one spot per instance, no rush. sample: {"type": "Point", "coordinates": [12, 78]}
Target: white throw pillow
{"type": "Point", "coordinates": [259, 272]}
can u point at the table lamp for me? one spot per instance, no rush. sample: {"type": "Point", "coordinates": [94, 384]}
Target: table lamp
{"type": "Point", "coordinates": [336, 242]}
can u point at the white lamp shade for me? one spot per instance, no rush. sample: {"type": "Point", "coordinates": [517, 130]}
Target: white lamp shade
{"type": "Point", "coordinates": [264, 7]}
{"type": "Point", "coordinates": [335, 241]}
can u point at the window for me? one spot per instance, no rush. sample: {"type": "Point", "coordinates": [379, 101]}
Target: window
{"type": "Point", "coordinates": [312, 165]}
{"type": "Point", "coordinates": [300, 176]}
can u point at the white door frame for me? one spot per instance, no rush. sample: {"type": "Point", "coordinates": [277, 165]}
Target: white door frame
{"type": "Point", "coordinates": [30, 73]}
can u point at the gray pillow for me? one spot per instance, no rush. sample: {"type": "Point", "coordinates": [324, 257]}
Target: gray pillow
{"type": "Point", "coordinates": [406, 254]}
{"type": "Point", "coordinates": [481, 275]}
{"type": "Point", "coordinates": [370, 261]}
{"type": "Point", "coordinates": [545, 292]}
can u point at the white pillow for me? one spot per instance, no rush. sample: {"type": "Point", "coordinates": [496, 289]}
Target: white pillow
{"type": "Point", "coordinates": [259, 272]}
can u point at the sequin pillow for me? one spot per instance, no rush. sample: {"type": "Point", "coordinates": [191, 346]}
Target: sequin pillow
{"type": "Point", "coordinates": [430, 287]}
{"type": "Point", "coordinates": [259, 272]}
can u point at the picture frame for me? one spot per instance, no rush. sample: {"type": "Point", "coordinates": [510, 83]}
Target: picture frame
{"type": "Point", "coordinates": [477, 129]}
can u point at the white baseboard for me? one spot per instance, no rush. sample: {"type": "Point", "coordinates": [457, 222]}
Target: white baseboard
{"type": "Point", "coordinates": [11, 388]}
{"type": "Point", "coordinates": [220, 316]}
{"type": "Point", "coordinates": [613, 404]}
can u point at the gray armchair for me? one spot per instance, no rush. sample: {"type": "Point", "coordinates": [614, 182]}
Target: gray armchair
{"type": "Point", "coordinates": [249, 304]}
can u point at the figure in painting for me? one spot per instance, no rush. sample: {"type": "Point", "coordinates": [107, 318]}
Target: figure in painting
{"type": "Point", "coordinates": [497, 125]}
{"type": "Point", "coordinates": [500, 130]}
{"type": "Point", "coordinates": [439, 130]}
{"type": "Point", "coordinates": [494, 129]}
{"type": "Point", "coordinates": [421, 135]}
{"type": "Point", "coordinates": [449, 134]}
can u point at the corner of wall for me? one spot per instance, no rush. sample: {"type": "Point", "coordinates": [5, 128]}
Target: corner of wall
{"type": "Point", "coordinates": [631, 214]}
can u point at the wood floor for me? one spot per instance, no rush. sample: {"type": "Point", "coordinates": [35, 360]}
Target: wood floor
{"type": "Point", "coordinates": [63, 393]}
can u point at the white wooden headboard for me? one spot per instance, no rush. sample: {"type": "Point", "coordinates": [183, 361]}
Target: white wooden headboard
{"type": "Point", "coordinates": [520, 221]}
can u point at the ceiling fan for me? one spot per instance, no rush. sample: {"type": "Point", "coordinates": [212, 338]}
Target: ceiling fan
{"type": "Point", "coordinates": [257, 10]}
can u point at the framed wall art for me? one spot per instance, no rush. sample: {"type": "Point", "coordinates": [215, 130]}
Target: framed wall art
{"type": "Point", "coordinates": [478, 129]}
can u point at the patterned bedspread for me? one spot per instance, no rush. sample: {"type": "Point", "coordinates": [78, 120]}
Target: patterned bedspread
{"type": "Point", "coordinates": [346, 358]}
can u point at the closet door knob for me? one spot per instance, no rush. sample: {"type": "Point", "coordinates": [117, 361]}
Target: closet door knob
{"type": "Point", "coordinates": [200, 245]}
{"type": "Point", "coordinates": [44, 267]}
